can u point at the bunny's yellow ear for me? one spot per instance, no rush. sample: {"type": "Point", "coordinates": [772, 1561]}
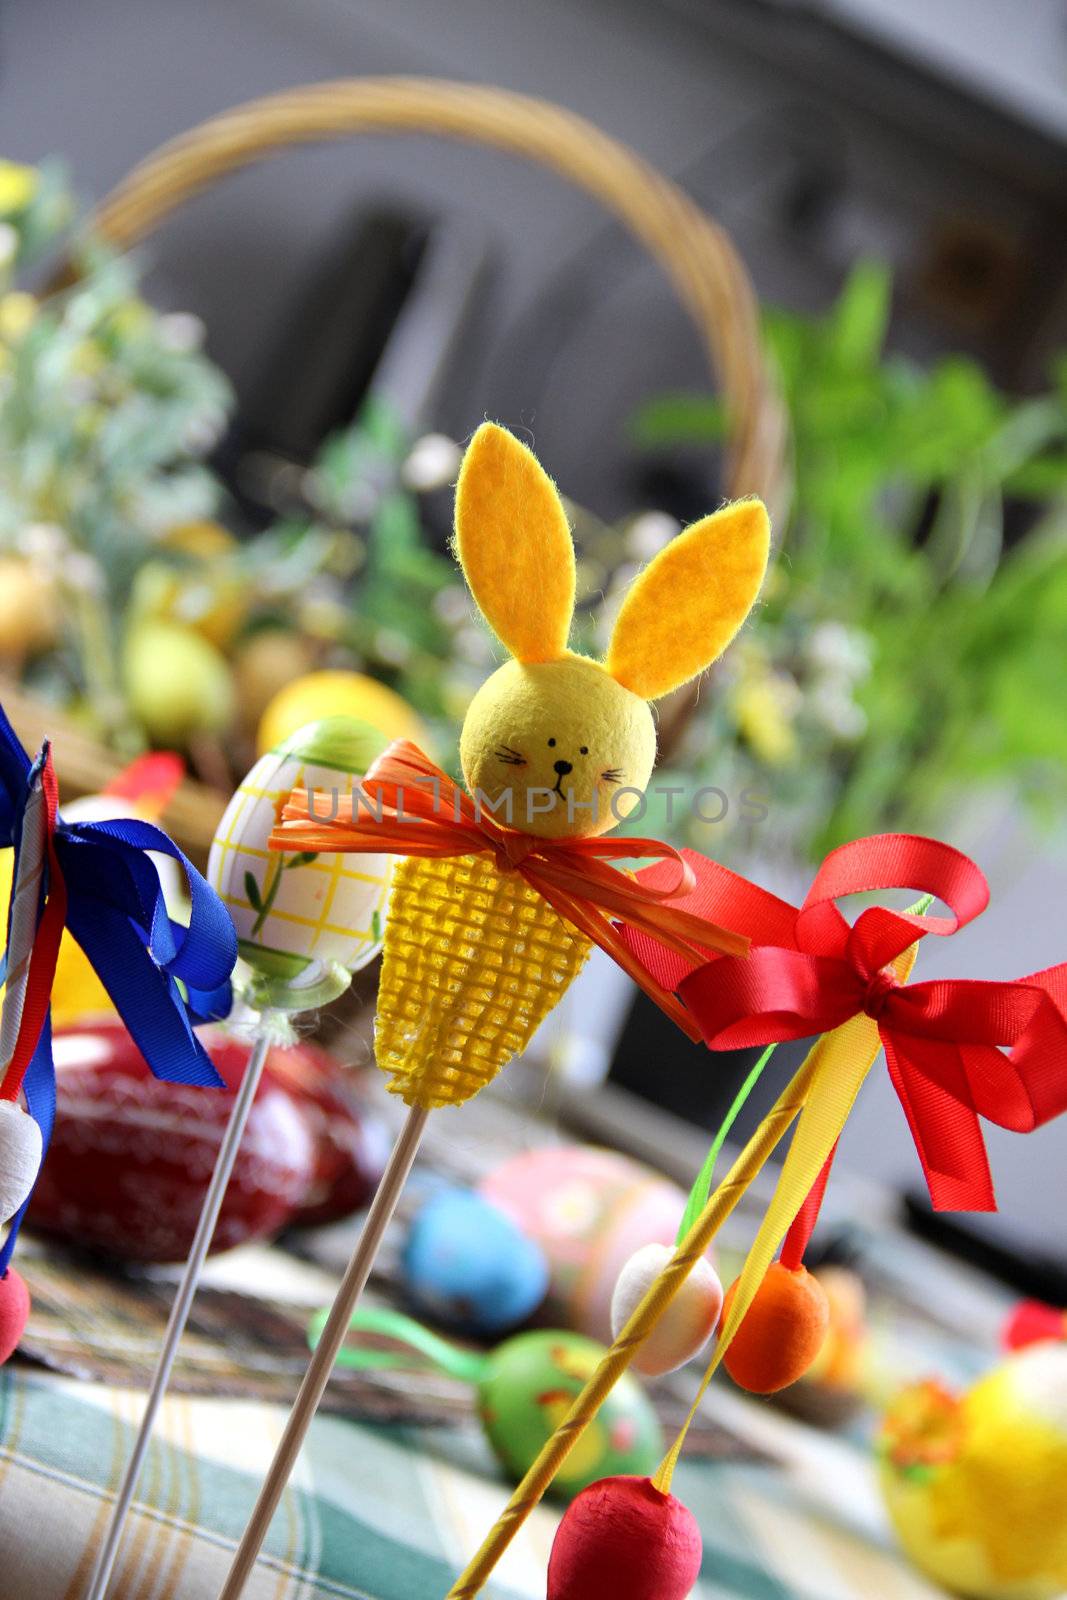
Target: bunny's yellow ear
{"type": "Point", "coordinates": [514, 545]}
{"type": "Point", "coordinates": [683, 610]}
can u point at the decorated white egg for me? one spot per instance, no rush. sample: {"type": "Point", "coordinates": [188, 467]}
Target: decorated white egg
{"type": "Point", "coordinates": [294, 910]}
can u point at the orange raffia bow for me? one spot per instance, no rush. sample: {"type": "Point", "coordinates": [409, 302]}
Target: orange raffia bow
{"type": "Point", "coordinates": [407, 806]}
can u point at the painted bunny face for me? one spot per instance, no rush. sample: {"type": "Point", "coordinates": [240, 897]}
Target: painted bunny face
{"type": "Point", "coordinates": [557, 744]}
{"type": "Point", "coordinates": [571, 747]}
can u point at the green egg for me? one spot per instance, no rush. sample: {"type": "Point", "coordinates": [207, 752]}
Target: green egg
{"type": "Point", "coordinates": [526, 1390]}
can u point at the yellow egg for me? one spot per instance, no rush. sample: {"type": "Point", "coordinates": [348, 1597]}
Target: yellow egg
{"type": "Point", "coordinates": [29, 613]}
{"type": "Point", "coordinates": [976, 1487]}
{"type": "Point", "coordinates": [338, 693]}
{"type": "Point", "coordinates": [212, 596]}
{"type": "Point", "coordinates": [177, 683]}
{"type": "Point", "coordinates": [17, 311]}
{"type": "Point", "coordinates": [18, 185]}
{"type": "Point", "coordinates": [262, 666]}
{"type": "Point", "coordinates": [203, 539]}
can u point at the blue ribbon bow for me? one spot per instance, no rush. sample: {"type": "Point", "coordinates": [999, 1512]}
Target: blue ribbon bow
{"type": "Point", "coordinates": [144, 959]}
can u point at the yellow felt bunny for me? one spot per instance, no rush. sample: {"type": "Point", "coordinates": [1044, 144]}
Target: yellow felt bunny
{"type": "Point", "coordinates": [490, 917]}
{"type": "Point", "coordinates": [553, 723]}
{"type": "Point", "coordinates": [555, 746]}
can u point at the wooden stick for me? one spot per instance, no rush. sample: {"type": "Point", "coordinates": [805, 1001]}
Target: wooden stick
{"type": "Point", "coordinates": [179, 1316]}
{"type": "Point", "coordinates": [615, 1362]}
{"type": "Point", "coordinates": [322, 1362]}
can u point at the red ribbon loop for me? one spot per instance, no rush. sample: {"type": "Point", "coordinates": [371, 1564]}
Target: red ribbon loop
{"type": "Point", "coordinates": [944, 1040]}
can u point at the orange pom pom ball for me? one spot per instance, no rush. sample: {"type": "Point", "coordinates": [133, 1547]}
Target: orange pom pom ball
{"type": "Point", "coordinates": [781, 1333]}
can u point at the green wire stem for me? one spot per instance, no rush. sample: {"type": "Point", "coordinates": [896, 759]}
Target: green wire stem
{"type": "Point", "coordinates": [698, 1195]}
{"type": "Point", "coordinates": [466, 1365]}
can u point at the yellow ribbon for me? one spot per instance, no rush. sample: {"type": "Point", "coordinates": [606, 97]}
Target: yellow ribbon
{"type": "Point", "coordinates": [840, 1061]}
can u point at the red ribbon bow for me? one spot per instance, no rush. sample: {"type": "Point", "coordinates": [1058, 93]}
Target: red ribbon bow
{"type": "Point", "coordinates": [407, 806]}
{"type": "Point", "coordinates": [809, 971]}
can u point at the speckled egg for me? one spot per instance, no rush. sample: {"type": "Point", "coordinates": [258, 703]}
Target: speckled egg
{"type": "Point", "coordinates": [589, 1210]}
{"type": "Point", "coordinates": [291, 910]}
{"type": "Point", "coordinates": [467, 1265]}
{"type": "Point", "coordinates": [528, 1387]}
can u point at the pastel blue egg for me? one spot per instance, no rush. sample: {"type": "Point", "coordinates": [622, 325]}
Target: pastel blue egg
{"type": "Point", "coordinates": [467, 1265]}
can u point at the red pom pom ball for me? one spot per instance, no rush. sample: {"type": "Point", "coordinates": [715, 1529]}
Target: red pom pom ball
{"type": "Point", "coordinates": [14, 1311]}
{"type": "Point", "coordinates": [781, 1333]}
{"type": "Point", "coordinates": [622, 1537]}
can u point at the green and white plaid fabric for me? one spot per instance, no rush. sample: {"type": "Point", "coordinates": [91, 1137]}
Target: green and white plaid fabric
{"type": "Point", "coordinates": [390, 1513]}
{"type": "Point", "coordinates": [396, 1487]}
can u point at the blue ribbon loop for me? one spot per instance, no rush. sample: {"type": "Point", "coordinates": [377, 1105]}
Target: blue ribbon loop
{"type": "Point", "coordinates": [162, 977]}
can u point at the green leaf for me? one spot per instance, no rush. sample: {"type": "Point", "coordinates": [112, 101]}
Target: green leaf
{"type": "Point", "coordinates": [859, 320]}
{"type": "Point", "coordinates": [1042, 479]}
{"type": "Point", "coordinates": [302, 858]}
{"type": "Point", "coordinates": [252, 891]}
{"type": "Point", "coordinates": [673, 419]}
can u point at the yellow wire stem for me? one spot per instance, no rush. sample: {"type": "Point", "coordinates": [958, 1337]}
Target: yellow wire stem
{"type": "Point", "coordinates": [644, 1319]}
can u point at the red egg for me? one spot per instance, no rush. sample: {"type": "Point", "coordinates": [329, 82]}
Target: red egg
{"type": "Point", "coordinates": [622, 1538]}
{"type": "Point", "coordinates": [14, 1310]}
{"type": "Point", "coordinates": [352, 1143]}
{"type": "Point", "coordinates": [131, 1157]}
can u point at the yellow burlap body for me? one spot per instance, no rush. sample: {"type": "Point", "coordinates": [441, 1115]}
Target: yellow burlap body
{"type": "Point", "coordinates": [473, 961]}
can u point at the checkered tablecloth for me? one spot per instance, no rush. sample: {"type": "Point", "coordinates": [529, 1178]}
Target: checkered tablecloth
{"type": "Point", "coordinates": [391, 1513]}
{"type": "Point", "coordinates": [396, 1487]}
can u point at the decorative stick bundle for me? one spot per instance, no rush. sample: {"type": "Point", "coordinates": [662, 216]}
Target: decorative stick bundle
{"type": "Point", "coordinates": [810, 970]}
{"type": "Point", "coordinates": [491, 919]}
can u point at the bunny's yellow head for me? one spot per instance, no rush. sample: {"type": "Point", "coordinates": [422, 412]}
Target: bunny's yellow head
{"type": "Point", "coordinates": [556, 744]}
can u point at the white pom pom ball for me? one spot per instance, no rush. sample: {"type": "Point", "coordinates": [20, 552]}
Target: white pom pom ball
{"type": "Point", "coordinates": [20, 1157]}
{"type": "Point", "coordinates": [688, 1322]}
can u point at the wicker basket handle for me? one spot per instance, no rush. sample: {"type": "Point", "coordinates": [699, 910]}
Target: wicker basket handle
{"type": "Point", "coordinates": [697, 256]}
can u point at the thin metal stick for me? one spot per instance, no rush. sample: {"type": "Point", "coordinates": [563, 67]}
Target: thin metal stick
{"type": "Point", "coordinates": [322, 1362]}
{"type": "Point", "coordinates": [179, 1315]}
